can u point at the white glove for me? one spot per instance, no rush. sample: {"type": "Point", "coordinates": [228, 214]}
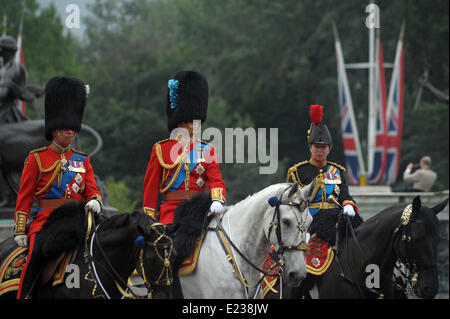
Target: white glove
{"type": "Point", "coordinates": [216, 207]}
{"type": "Point", "coordinates": [94, 205]}
{"type": "Point", "coordinates": [21, 240]}
{"type": "Point", "coordinates": [349, 211]}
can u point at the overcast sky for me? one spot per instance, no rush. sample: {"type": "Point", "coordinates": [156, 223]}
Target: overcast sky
{"type": "Point", "coordinates": [61, 6]}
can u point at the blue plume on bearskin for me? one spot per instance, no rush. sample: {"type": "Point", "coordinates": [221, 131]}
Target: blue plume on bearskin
{"type": "Point", "coordinates": [188, 99]}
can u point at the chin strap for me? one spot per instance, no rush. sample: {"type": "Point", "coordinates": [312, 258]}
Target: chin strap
{"type": "Point", "coordinates": [67, 139]}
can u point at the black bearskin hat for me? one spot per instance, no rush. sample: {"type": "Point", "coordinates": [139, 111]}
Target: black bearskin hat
{"type": "Point", "coordinates": [318, 132]}
{"type": "Point", "coordinates": [187, 98]}
{"type": "Point", "coordinates": [65, 99]}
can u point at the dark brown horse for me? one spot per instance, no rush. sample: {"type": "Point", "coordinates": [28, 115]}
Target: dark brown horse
{"type": "Point", "coordinates": [105, 261]}
{"type": "Point", "coordinates": [364, 261]}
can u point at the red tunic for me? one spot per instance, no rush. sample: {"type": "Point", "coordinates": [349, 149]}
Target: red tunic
{"type": "Point", "coordinates": [42, 170]}
{"type": "Point", "coordinates": [174, 167]}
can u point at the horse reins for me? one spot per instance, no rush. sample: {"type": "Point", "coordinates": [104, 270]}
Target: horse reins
{"type": "Point", "coordinates": [410, 279]}
{"type": "Point", "coordinates": [224, 239]}
{"type": "Point", "coordinates": [112, 272]}
{"type": "Point", "coordinates": [411, 265]}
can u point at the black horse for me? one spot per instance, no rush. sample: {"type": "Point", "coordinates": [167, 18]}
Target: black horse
{"type": "Point", "coordinates": [364, 262]}
{"type": "Point", "coordinates": [105, 261]}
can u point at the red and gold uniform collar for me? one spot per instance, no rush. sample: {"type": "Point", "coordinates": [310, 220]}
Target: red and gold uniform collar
{"type": "Point", "coordinates": [59, 149]}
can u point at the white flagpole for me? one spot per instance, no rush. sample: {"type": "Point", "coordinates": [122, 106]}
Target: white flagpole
{"type": "Point", "coordinates": [371, 127]}
{"type": "Point", "coordinates": [395, 71]}
{"type": "Point", "coordinates": [341, 68]}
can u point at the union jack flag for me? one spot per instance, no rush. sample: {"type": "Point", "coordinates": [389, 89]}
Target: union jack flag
{"type": "Point", "coordinates": [348, 137]}
{"type": "Point", "coordinates": [379, 156]}
{"type": "Point", "coordinates": [352, 149]}
{"type": "Point", "coordinates": [395, 115]}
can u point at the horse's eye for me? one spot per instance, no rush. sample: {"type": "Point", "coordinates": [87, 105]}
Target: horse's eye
{"type": "Point", "coordinates": [286, 222]}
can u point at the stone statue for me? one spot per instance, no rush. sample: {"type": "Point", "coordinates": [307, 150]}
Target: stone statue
{"type": "Point", "coordinates": [13, 77]}
{"type": "Point", "coordinates": [18, 134]}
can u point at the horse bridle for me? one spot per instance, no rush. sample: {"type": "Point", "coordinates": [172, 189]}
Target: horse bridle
{"type": "Point", "coordinates": [400, 233]}
{"type": "Point", "coordinates": [112, 272]}
{"type": "Point", "coordinates": [163, 251]}
{"type": "Point", "coordinates": [224, 239]}
{"type": "Point", "coordinates": [402, 237]}
{"type": "Point", "coordinates": [276, 224]}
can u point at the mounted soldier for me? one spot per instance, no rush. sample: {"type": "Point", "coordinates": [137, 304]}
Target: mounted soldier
{"type": "Point", "coordinates": [54, 175]}
{"type": "Point", "coordinates": [183, 166]}
{"type": "Point", "coordinates": [330, 196]}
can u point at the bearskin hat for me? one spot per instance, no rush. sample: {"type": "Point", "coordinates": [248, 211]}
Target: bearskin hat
{"type": "Point", "coordinates": [187, 98]}
{"type": "Point", "coordinates": [65, 99]}
{"type": "Point", "coordinates": [318, 132]}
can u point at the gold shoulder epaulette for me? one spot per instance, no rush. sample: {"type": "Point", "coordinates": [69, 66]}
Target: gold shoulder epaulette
{"type": "Point", "coordinates": [292, 174]}
{"type": "Point", "coordinates": [40, 149]}
{"type": "Point", "coordinates": [162, 141]}
{"type": "Point", "coordinates": [300, 164]}
{"type": "Point", "coordinates": [79, 152]}
{"type": "Point", "coordinates": [342, 168]}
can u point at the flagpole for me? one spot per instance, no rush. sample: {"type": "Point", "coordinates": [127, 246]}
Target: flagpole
{"type": "Point", "coordinates": [341, 70]}
{"type": "Point", "coordinates": [395, 70]}
{"type": "Point", "coordinates": [371, 127]}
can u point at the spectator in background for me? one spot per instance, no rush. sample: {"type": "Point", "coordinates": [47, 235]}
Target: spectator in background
{"type": "Point", "coordinates": [423, 178]}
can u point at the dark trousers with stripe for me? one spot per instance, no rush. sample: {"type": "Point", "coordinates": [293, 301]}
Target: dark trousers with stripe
{"type": "Point", "coordinates": [32, 269]}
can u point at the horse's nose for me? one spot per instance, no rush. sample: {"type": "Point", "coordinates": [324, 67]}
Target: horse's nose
{"type": "Point", "coordinates": [296, 278]}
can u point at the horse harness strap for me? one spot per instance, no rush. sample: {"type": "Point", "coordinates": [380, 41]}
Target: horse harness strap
{"type": "Point", "coordinates": [90, 259]}
{"type": "Point", "coordinates": [412, 267]}
{"type": "Point", "coordinates": [224, 241]}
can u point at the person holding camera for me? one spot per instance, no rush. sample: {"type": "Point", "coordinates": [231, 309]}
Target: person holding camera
{"type": "Point", "coordinates": [423, 178]}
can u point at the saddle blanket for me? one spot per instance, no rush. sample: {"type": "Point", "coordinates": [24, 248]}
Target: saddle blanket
{"type": "Point", "coordinates": [269, 282]}
{"type": "Point", "coordinates": [189, 264]}
{"type": "Point", "coordinates": [12, 267]}
{"type": "Point", "coordinates": [319, 256]}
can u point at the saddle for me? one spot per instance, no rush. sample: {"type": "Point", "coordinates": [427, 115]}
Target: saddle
{"type": "Point", "coordinates": [11, 269]}
{"type": "Point", "coordinates": [189, 264]}
{"type": "Point", "coordinates": [319, 256]}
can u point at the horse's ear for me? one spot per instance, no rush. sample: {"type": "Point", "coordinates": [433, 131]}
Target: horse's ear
{"type": "Point", "coordinates": [293, 190]}
{"type": "Point", "coordinates": [308, 190]}
{"type": "Point", "coordinates": [416, 205]}
{"type": "Point", "coordinates": [141, 230]}
{"type": "Point", "coordinates": [439, 207]}
{"type": "Point", "coordinates": [171, 228]}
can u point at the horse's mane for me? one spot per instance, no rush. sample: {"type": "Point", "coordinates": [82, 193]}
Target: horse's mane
{"type": "Point", "coordinates": [119, 221]}
{"type": "Point", "coordinates": [256, 195]}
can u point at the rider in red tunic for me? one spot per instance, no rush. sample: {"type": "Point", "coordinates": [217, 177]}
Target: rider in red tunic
{"type": "Point", "coordinates": [181, 167]}
{"type": "Point", "coordinates": [53, 175]}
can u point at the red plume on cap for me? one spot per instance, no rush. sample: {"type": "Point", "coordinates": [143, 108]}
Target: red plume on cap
{"type": "Point", "coordinates": [316, 113]}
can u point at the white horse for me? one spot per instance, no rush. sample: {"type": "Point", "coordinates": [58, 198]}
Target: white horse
{"type": "Point", "coordinates": [252, 226]}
